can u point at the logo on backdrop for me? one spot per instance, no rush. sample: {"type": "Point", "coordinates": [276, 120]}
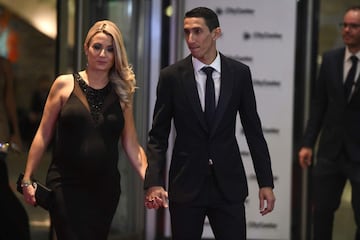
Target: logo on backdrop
{"type": "Point", "coordinates": [247, 59]}
{"type": "Point", "coordinates": [234, 11]}
{"type": "Point", "coordinates": [262, 35]}
{"type": "Point", "coordinates": [266, 83]}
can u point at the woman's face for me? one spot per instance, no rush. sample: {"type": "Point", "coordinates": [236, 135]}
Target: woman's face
{"type": "Point", "coordinates": [100, 52]}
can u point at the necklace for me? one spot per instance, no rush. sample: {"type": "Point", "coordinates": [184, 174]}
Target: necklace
{"type": "Point", "coordinates": [95, 98]}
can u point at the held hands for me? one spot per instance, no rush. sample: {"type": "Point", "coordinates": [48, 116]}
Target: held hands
{"type": "Point", "coordinates": [156, 197]}
{"type": "Point", "coordinates": [305, 155]}
{"type": "Point", "coordinates": [266, 194]}
{"type": "Point", "coordinates": [29, 193]}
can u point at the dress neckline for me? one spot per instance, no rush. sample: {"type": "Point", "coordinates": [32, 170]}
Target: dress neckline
{"type": "Point", "coordinates": [95, 97]}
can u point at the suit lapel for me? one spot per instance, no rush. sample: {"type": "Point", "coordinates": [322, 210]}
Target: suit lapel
{"type": "Point", "coordinates": [356, 89]}
{"type": "Point", "coordinates": [340, 81]}
{"type": "Point", "coordinates": [191, 91]}
{"type": "Point", "coordinates": [339, 67]}
{"type": "Point", "coordinates": [226, 88]}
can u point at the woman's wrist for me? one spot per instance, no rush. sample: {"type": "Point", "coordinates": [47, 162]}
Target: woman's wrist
{"type": "Point", "coordinates": [26, 183]}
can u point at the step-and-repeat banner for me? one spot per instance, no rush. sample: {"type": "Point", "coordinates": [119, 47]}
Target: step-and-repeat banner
{"type": "Point", "coordinates": [261, 34]}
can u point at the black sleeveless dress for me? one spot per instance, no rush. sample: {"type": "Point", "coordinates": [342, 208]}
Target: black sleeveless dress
{"type": "Point", "coordinates": [84, 173]}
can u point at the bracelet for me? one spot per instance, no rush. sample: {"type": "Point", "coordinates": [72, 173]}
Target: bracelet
{"type": "Point", "coordinates": [26, 184]}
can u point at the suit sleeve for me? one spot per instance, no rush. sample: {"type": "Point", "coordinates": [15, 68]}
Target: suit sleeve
{"type": "Point", "coordinates": [159, 134]}
{"type": "Point", "coordinates": [318, 107]}
{"type": "Point", "coordinates": [252, 127]}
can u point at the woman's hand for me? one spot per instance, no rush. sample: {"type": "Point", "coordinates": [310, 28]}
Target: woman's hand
{"type": "Point", "coordinates": [29, 190]}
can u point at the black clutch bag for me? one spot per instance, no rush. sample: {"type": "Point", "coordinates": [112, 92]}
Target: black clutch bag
{"type": "Point", "coordinates": [43, 194]}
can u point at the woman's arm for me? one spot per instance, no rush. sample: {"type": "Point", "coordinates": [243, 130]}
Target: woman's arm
{"type": "Point", "coordinates": [130, 143]}
{"type": "Point", "coordinates": [59, 92]}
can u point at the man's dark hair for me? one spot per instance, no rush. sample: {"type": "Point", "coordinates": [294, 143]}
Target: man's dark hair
{"type": "Point", "coordinates": [353, 8]}
{"type": "Point", "coordinates": [210, 17]}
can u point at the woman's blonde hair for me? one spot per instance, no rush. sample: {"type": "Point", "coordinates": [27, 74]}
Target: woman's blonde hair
{"type": "Point", "coordinates": [121, 74]}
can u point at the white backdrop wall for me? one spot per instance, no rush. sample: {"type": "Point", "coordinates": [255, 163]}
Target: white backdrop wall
{"type": "Point", "coordinates": [261, 34]}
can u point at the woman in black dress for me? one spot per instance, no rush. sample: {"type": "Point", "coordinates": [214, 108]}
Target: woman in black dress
{"type": "Point", "coordinates": [87, 113]}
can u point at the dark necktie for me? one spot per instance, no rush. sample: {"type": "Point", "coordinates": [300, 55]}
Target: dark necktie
{"type": "Point", "coordinates": [349, 82]}
{"type": "Point", "coordinates": [209, 95]}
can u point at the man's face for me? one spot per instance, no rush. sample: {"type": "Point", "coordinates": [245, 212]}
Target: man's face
{"type": "Point", "coordinates": [199, 39]}
{"type": "Point", "coordinates": [351, 29]}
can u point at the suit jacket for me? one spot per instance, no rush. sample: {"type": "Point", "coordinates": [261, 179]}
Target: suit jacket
{"type": "Point", "coordinates": [337, 119]}
{"type": "Point", "coordinates": [195, 144]}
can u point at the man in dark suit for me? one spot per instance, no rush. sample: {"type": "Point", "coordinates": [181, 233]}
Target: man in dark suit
{"type": "Point", "coordinates": [206, 176]}
{"type": "Point", "coordinates": [335, 113]}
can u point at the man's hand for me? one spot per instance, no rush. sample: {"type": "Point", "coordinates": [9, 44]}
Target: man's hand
{"type": "Point", "coordinates": [305, 155]}
{"type": "Point", "coordinates": [156, 197]}
{"type": "Point", "coordinates": [266, 194]}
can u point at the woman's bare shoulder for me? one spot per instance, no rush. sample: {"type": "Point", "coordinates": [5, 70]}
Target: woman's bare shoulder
{"type": "Point", "coordinates": [63, 84]}
{"type": "Point", "coordinates": [64, 79]}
